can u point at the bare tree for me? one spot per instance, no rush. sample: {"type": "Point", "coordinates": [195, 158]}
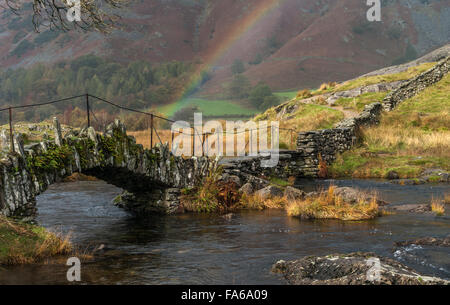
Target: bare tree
{"type": "Point", "coordinates": [95, 14]}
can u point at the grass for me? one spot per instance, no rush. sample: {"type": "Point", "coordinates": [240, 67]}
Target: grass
{"type": "Point", "coordinates": [413, 137]}
{"type": "Point", "coordinates": [327, 205]}
{"type": "Point", "coordinates": [371, 80]}
{"type": "Point", "coordinates": [282, 182]}
{"type": "Point", "coordinates": [447, 198]}
{"type": "Point", "coordinates": [211, 108]}
{"type": "Point", "coordinates": [437, 207]}
{"type": "Point", "coordinates": [211, 196]}
{"type": "Point", "coordinates": [358, 103]}
{"type": "Point", "coordinates": [289, 95]}
{"type": "Point", "coordinates": [24, 243]}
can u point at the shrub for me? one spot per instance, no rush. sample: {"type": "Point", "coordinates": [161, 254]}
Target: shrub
{"type": "Point", "coordinates": [327, 205]}
{"type": "Point", "coordinates": [437, 207]}
{"type": "Point", "coordinates": [212, 196]}
{"type": "Point", "coordinates": [302, 94]}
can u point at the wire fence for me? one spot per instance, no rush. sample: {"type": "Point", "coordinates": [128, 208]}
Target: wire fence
{"type": "Point", "coordinates": [153, 134]}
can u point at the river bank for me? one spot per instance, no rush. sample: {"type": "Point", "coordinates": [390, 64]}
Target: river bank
{"type": "Point", "coordinates": [24, 243]}
{"type": "Point", "coordinates": [211, 249]}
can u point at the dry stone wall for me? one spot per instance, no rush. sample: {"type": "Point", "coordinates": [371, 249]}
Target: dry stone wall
{"type": "Point", "coordinates": [326, 144]}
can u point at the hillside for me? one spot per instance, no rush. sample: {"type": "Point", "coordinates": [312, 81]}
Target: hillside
{"type": "Point", "coordinates": [409, 140]}
{"type": "Point", "coordinates": [288, 44]}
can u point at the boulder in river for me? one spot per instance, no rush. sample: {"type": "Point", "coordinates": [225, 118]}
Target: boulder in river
{"type": "Point", "coordinates": [270, 191]}
{"type": "Point", "coordinates": [292, 193]}
{"type": "Point", "coordinates": [353, 195]}
{"type": "Point", "coordinates": [426, 241]}
{"type": "Point", "coordinates": [357, 268]}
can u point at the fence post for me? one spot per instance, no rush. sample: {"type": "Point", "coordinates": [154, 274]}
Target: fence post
{"type": "Point", "coordinates": [11, 137]}
{"type": "Point", "coordinates": [151, 131]}
{"type": "Point", "coordinates": [87, 110]}
{"type": "Point", "coordinates": [203, 145]}
{"type": "Point", "coordinates": [193, 141]}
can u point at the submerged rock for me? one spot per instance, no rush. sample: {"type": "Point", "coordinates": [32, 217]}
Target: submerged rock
{"type": "Point", "coordinates": [351, 269]}
{"type": "Point", "coordinates": [426, 241]}
{"type": "Point", "coordinates": [413, 208]}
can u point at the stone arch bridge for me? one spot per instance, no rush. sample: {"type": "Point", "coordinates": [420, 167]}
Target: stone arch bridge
{"type": "Point", "coordinates": [152, 178]}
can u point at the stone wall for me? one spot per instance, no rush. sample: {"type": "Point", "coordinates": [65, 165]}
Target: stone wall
{"type": "Point", "coordinates": [113, 157]}
{"type": "Point", "coordinates": [417, 84]}
{"type": "Point", "coordinates": [327, 143]}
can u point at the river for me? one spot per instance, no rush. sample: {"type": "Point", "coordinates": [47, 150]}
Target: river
{"type": "Point", "coordinates": [209, 249]}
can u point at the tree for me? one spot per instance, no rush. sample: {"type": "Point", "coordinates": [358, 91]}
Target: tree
{"type": "Point", "coordinates": [269, 101]}
{"type": "Point", "coordinates": [239, 87]}
{"type": "Point", "coordinates": [186, 114]}
{"type": "Point", "coordinates": [237, 67]}
{"type": "Point", "coordinates": [53, 14]}
{"type": "Point", "coordinates": [259, 93]}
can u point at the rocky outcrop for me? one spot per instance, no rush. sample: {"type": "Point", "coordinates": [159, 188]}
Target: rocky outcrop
{"type": "Point", "coordinates": [426, 241]}
{"type": "Point", "coordinates": [113, 157]}
{"type": "Point", "coordinates": [351, 269]}
{"type": "Point", "coordinates": [382, 87]}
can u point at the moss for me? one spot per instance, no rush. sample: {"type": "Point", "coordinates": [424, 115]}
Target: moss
{"type": "Point", "coordinates": [56, 157]}
{"type": "Point", "coordinates": [24, 243]}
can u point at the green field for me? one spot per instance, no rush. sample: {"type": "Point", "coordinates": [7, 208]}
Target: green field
{"type": "Point", "coordinates": [286, 95]}
{"type": "Point", "coordinates": [216, 108]}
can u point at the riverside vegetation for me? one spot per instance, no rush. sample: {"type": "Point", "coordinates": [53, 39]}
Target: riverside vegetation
{"type": "Point", "coordinates": [219, 195]}
{"type": "Point", "coordinates": [22, 243]}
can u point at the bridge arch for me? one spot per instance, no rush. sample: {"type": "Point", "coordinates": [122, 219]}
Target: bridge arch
{"type": "Point", "coordinates": [151, 178]}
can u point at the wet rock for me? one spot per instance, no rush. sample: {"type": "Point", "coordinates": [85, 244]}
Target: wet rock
{"type": "Point", "coordinates": [292, 193]}
{"type": "Point", "coordinates": [246, 189]}
{"type": "Point", "coordinates": [231, 178]}
{"type": "Point", "coordinates": [351, 269]}
{"type": "Point", "coordinates": [426, 241]}
{"type": "Point", "coordinates": [270, 191]}
{"type": "Point", "coordinates": [352, 195]}
{"type": "Point", "coordinates": [435, 175]}
{"type": "Point", "coordinates": [392, 175]}
{"type": "Point", "coordinates": [416, 181]}
{"type": "Point", "coordinates": [413, 208]}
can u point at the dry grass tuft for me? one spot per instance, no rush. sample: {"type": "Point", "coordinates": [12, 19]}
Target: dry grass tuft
{"type": "Point", "coordinates": [327, 205]}
{"type": "Point", "coordinates": [437, 207]}
{"type": "Point", "coordinates": [302, 94]}
{"type": "Point", "coordinates": [255, 202]}
{"type": "Point", "coordinates": [447, 198]}
{"type": "Point", "coordinates": [23, 243]}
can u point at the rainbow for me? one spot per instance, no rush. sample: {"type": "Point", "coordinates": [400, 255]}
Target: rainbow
{"type": "Point", "coordinates": [214, 54]}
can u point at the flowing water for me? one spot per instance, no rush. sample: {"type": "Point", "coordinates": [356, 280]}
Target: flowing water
{"type": "Point", "coordinates": [209, 249]}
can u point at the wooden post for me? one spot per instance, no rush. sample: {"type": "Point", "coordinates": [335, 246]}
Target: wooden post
{"type": "Point", "coordinates": [172, 139]}
{"type": "Point", "coordinates": [151, 131]}
{"type": "Point", "coordinates": [87, 110]}
{"type": "Point", "coordinates": [193, 141]}
{"type": "Point", "coordinates": [203, 144]}
{"type": "Point", "coordinates": [11, 137]}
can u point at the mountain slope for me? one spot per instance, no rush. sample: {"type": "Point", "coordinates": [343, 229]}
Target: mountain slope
{"type": "Point", "coordinates": [290, 43]}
